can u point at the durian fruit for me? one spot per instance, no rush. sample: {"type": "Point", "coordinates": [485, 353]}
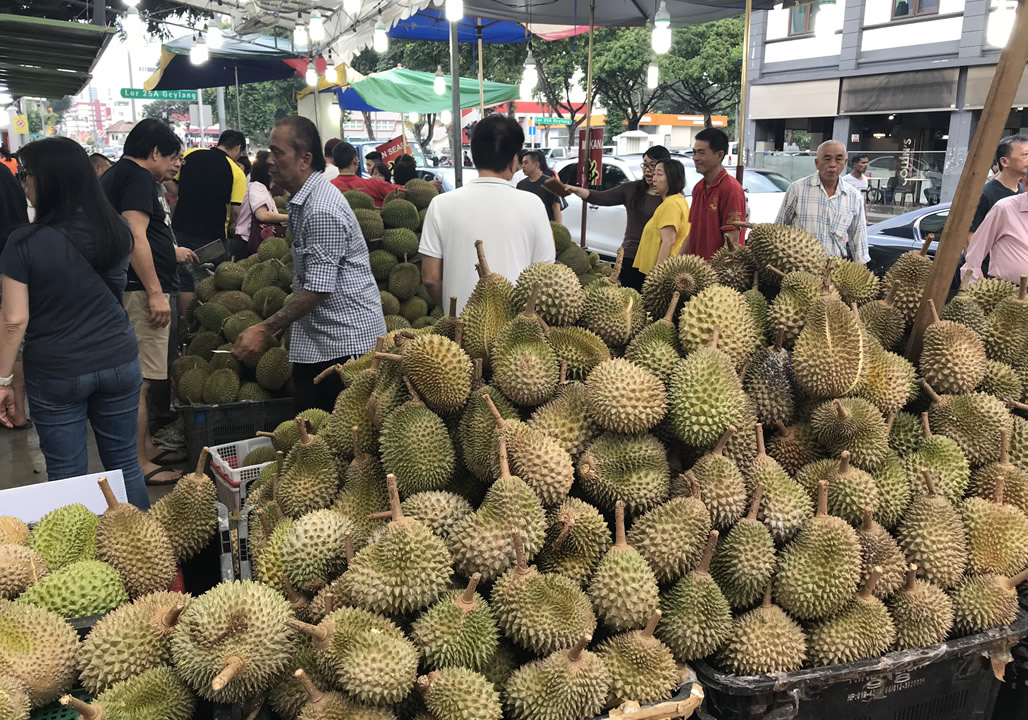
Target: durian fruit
{"type": "Point", "coordinates": [879, 549]}
{"type": "Point", "coordinates": [921, 612]}
{"type": "Point", "coordinates": [363, 494]}
{"type": "Point", "coordinates": [37, 649]}
{"type": "Point", "coordinates": [458, 631]}
{"type": "Point", "coordinates": [723, 308]}
{"type": "Point", "coordinates": [909, 277]}
{"type": "Point", "coordinates": [758, 307]}
{"type": "Point", "coordinates": [770, 385]}
{"type": "Point", "coordinates": [524, 366]}
{"type": "Point", "coordinates": [488, 310]}
{"type": "Point", "coordinates": [566, 418]}
{"type": "Point", "coordinates": [541, 613]}
{"type": "Point", "coordinates": [905, 433]}
{"type": "Point", "coordinates": [786, 248]}
{"type": "Point", "coordinates": [894, 491]}
{"type": "Point", "coordinates": [157, 693]}
{"type": "Point", "coordinates": [614, 313]}
{"type": "Point", "coordinates": [576, 538]}
{"type": "Point", "coordinates": [416, 447]}
{"type": "Point", "coordinates": [733, 265]}
{"type": "Point", "coordinates": [187, 514]}
{"type": "Point", "coordinates": [931, 535]}
{"type": "Point", "coordinates": [642, 668]}
{"type": "Point", "coordinates": [460, 694]}
{"type": "Point", "coordinates": [559, 300]}
{"type": "Point", "coordinates": [15, 532]}
{"type": "Point", "coordinates": [884, 321]}
{"type": "Point", "coordinates": [656, 348]}
{"type": "Point", "coordinates": [630, 468]}
{"type": "Point", "coordinates": [788, 311]}
{"type": "Point", "coordinates": [482, 542]}
{"type": "Point", "coordinates": [793, 447]}
{"type": "Point", "coordinates": [696, 620]}
{"type": "Point", "coordinates": [476, 432]}
{"type": "Point", "coordinates": [269, 569]}
{"type": "Point", "coordinates": [889, 380]}
{"type": "Point", "coordinates": [438, 369]}
{"type": "Point", "coordinates": [672, 535]}
{"type": "Point", "coordinates": [318, 705]}
{"type": "Point", "coordinates": [986, 479]}
{"type": "Point", "coordinates": [81, 589]}
{"type": "Point", "coordinates": [14, 701]}
{"type": "Point", "coordinates": [1002, 381]}
{"type": "Point", "coordinates": [64, 535]}
{"type": "Point", "coordinates": [862, 629]}
{"type": "Point", "coordinates": [232, 643]}
{"type": "Point", "coordinates": [1006, 333]}
{"type": "Point", "coordinates": [686, 274]}
{"type": "Point", "coordinates": [989, 292]}
{"type": "Point", "coordinates": [313, 551]}
{"type": "Point", "coordinates": [566, 685]}
{"type": "Point", "coordinates": [764, 641]}
{"type": "Point", "coordinates": [580, 349]}
{"type": "Point", "coordinates": [404, 280]}
{"type": "Point", "coordinates": [438, 510]}
{"type": "Point", "coordinates": [624, 397]}
{"type": "Point", "coordinates": [378, 668]}
{"type": "Point", "coordinates": [20, 568]}
{"type": "Point", "coordinates": [289, 695]}
{"type": "Point", "coordinates": [819, 570]}
{"type": "Point", "coordinates": [721, 484]}
{"type": "Point", "coordinates": [405, 570]}
{"type": "Point", "coordinates": [851, 491]}
{"type": "Point", "coordinates": [852, 424]}
{"type": "Point", "coordinates": [973, 421]}
{"type": "Point", "coordinates": [135, 545]}
{"type": "Point", "coordinates": [830, 355]}
{"type": "Point", "coordinates": [785, 506]}
{"type": "Point", "coordinates": [983, 602]}
{"type": "Point", "coordinates": [943, 458]}
{"type": "Point", "coordinates": [310, 480]}
{"type": "Point", "coordinates": [952, 356]}
{"type": "Point", "coordinates": [964, 309]}
{"type": "Point", "coordinates": [855, 283]}
{"type": "Point", "coordinates": [745, 558]}
{"type": "Point", "coordinates": [997, 535]}
{"type": "Point", "coordinates": [623, 589]}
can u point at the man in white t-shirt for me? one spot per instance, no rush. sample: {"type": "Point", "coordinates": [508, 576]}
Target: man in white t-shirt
{"type": "Point", "coordinates": [860, 176]}
{"type": "Point", "coordinates": [512, 225]}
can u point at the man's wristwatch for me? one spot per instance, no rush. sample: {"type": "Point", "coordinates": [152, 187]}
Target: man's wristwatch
{"type": "Point", "coordinates": [7, 381]}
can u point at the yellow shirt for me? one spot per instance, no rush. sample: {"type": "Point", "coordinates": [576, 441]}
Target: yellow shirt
{"type": "Point", "coordinates": [673, 212]}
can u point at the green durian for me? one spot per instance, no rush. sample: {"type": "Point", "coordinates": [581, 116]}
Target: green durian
{"type": "Point", "coordinates": [623, 589]}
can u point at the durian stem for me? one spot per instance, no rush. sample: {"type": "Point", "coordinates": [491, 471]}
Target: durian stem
{"type": "Point", "coordinates": [872, 580]}
{"type": "Point", "coordinates": [619, 525]}
{"type": "Point", "coordinates": [86, 710]}
{"type": "Point", "coordinates": [317, 632]}
{"type": "Point", "coordinates": [301, 425]}
{"type": "Point", "coordinates": [844, 462]}
{"type": "Point", "coordinates": [618, 262]}
{"type": "Point", "coordinates": [337, 368]}
{"type": "Point", "coordinates": [715, 336]}
{"type": "Point", "coordinates": [1023, 290]}
{"type": "Point", "coordinates": [841, 411]}
{"type": "Point", "coordinates": [575, 653]}
{"type": "Point", "coordinates": [926, 244]}
{"type": "Point", "coordinates": [756, 282]}
{"type": "Point", "coordinates": [1013, 582]}
{"type": "Point", "coordinates": [170, 617]}
{"type": "Point", "coordinates": [1015, 405]}
{"type": "Point", "coordinates": [775, 270]}
{"type": "Point", "coordinates": [466, 601]}
{"type": "Point", "coordinates": [348, 547]}
{"type": "Point", "coordinates": [519, 551]}
{"type": "Point", "coordinates": [266, 525]}
{"type": "Point", "coordinates": [483, 266]}
{"type": "Point", "coordinates": [926, 426]}
{"type": "Point", "coordinates": [389, 356]}
{"type": "Point", "coordinates": [651, 624]}
{"type": "Point", "coordinates": [911, 577]}
{"type": "Point", "coordinates": [783, 430]}
{"type": "Point", "coordinates": [563, 372]}
{"type": "Point", "coordinates": [453, 306]}
{"type": "Point", "coordinates": [758, 495]}
{"type": "Point", "coordinates": [394, 498]}
{"type": "Point", "coordinates": [477, 379]}
{"type": "Point", "coordinates": [235, 664]}
{"type": "Point", "coordinates": [934, 312]}
{"type": "Point", "coordinates": [929, 481]}
{"type": "Point", "coordinates": [692, 483]}
{"type": "Point", "coordinates": [965, 279]}
{"type": "Point", "coordinates": [313, 694]}
{"type": "Point", "coordinates": [931, 393]}
{"type": "Point", "coordinates": [723, 441]}
{"type": "Point", "coordinates": [759, 430]}
{"type": "Point", "coordinates": [330, 602]}
{"type": "Point", "coordinates": [501, 442]}
{"type": "Point", "coordinates": [779, 339]}
{"type": "Point", "coordinates": [822, 498]}
{"type": "Point", "coordinates": [105, 488]}
{"type": "Point", "coordinates": [411, 391]}
{"type": "Point", "coordinates": [891, 295]}
{"type": "Point", "coordinates": [379, 347]}
{"type": "Point", "coordinates": [565, 528]}
{"type": "Point", "coordinates": [868, 520]}
{"type": "Point", "coordinates": [201, 461]}
{"type": "Point", "coordinates": [708, 553]}
{"type": "Point", "coordinates": [458, 332]}
{"type": "Point", "coordinates": [264, 433]}
{"type": "Point", "coordinates": [355, 438]}
{"type": "Point", "coordinates": [997, 493]}
{"type": "Point", "coordinates": [500, 421]}
{"type": "Point", "coordinates": [294, 598]}
{"type": "Point", "coordinates": [1004, 446]}
{"type": "Point", "coordinates": [533, 298]}
{"type": "Point", "coordinates": [766, 601]}
{"type": "Point", "coordinates": [669, 314]}
{"type": "Point", "coordinates": [889, 420]}
{"type": "Point", "coordinates": [826, 277]}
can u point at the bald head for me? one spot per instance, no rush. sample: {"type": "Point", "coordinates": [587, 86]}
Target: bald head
{"type": "Point", "coordinates": [830, 162]}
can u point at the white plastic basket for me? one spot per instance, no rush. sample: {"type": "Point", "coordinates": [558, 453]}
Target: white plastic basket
{"type": "Point", "coordinates": [229, 477]}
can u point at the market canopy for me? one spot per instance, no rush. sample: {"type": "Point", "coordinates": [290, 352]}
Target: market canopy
{"type": "Point", "coordinates": [410, 91]}
{"type": "Point", "coordinates": [615, 13]}
{"type": "Point", "coordinates": [432, 25]}
{"type": "Point", "coordinates": [48, 58]}
{"type": "Point", "coordinates": [258, 59]}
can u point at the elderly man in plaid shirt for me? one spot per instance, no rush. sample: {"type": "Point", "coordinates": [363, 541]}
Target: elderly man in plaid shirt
{"type": "Point", "coordinates": [336, 309]}
{"type": "Point", "coordinates": [828, 209]}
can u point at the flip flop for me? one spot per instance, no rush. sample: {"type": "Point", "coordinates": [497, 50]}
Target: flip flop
{"type": "Point", "coordinates": [163, 459]}
{"type": "Point", "coordinates": [153, 483]}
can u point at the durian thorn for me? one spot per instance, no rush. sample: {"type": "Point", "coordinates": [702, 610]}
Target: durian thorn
{"type": "Point", "coordinates": [231, 669]}
{"type": "Point", "coordinates": [348, 547]}
{"type": "Point", "coordinates": [891, 295]}
{"type": "Point", "coordinates": [301, 425]}
{"type": "Point", "coordinates": [1013, 582]}
{"type": "Point", "coordinates": [565, 529]}
{"type": "Point", "coordinates": [822, 498]}
{"type": "Point", "coordinates": [931, 393]}
{"type": "Point", "coordinates": [533, 298]}
{"type": "Point", "coordinates": [379, 347]}
{"type": "Point", "coordinates": [669, 314]}
{"type": "Point", "coordinates": [932, 310]}
{"type": "Point", "coordinates": [759, 430]}
{"type": "Point", "coordinates": [395, 509]}
{"type": "Point", "coordinates": [1004, 446]}
{"type": "Point", "coordinates": [466, 601]}
{"type": "Point", "coordinates": [563, 372]}
{"type": "Point", "coordinates": [265, 522]}
{"type": "Point", "coordinates": [841, 411]}
{"type": "Point", "coordinates": [889, 420]}
{"type": "Point", "coordinates": [318, 632]}
{"type": "Point", "coordinates": [779, 338]}
{"type": "Point", "coordinates": [766, 601]}
{"type": "Point", "coordinates": [410, 390]}
{"type": "Point", "coordinates": [575, 653]}
{"type": "Point", "coordinates": [169, 618]}
{"type": "Point", "coordinates": [872, 580]}
{"type": "Point", "coordinates": [715, 336]}
{"type": "Point", "coordinates": [388, 356]}
{"type": "Point", "coordinates": [458, 332]}
{"type": "Point", "coordinates": [775, 270]}
{"type": "Point", "coordinates": [926, 244]}
{"type": "Point", "coordinates": [519, 552]}
{"type": "Point", "coordinates": [651, 624]}
{"type": "Point", "coordinates": [105, 488]}
{"type": "Point", "coordinates": [911, 577]}
{"type": "Point", "coordinates": [708, 553]}
{"type": "Point", "coordinates": [1023, 289]}
{"type": "Point", "coordinates": [844, 462]}
{"type": "Point", "coordinates": [200, 462]}
{"type": "Point", "coordinates": [500, 420]}
{"type": "Point", "coordinates": [313, 694]}
{"type": "Point", "coordinates": [618, 262]}
{"type": "Point", "coordinates": [926, 426]}
{"type": "Point", "coordinates": [758, 495]}
{"type": "Point", "coordinates": [929, 481]}
{"type": "Point", "coordinates": [868, 518]}
{"type": "Point", "coordinates": [86, 710]}
{"type": "Point", "coordinates": [453, 306]}
{"type": "Point", "coordinates": [723, 440]}
{"type": "Point", "coordinates": [483, 266]}
{"type": "Point", "coordinates": [337, 368]}
{"type": "Point", "coordinates": [355, 438]}
{"type": "Point", "coordinates": [619, 525]}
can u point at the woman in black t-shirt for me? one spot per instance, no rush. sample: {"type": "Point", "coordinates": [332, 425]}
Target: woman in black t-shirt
{"type": "Point", "coordinates": [63, 276]}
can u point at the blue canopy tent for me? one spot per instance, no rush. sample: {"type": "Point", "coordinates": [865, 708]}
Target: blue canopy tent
{"type": "Point", "coordinates": [432, 25]}
{"type": "Point", "coordinates": [237, 61]}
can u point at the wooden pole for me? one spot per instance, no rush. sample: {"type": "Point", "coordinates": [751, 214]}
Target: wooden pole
{"type": "Point", "coordinates": [972, 179]}
{"type": "Point", "coordinates": [481, 71]}
{"type": "Point", "coordinates": [588, 110]}
{"type": "Point", "coordinates": [744, 86]}
{"type": "Point", "coordinates": [457, 132]}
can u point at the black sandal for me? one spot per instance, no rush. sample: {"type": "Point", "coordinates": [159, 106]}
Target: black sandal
{"type": "Point", "coordinates": [154, 483]}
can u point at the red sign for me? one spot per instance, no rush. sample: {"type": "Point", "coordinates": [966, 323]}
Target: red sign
{"type": "Point", "coordinates": [593, 156]}
{"type": "Point", "coordinates": [392, 150]}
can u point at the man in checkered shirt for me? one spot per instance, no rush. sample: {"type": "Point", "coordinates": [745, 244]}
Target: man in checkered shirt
{"type": "Point", "coordinates": [336, 309]}
{"type": "Point", "coordinates": [828, 209]}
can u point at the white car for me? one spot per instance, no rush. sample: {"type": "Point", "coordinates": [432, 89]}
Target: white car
{"type": "Point", "coordinates": [605, 229]}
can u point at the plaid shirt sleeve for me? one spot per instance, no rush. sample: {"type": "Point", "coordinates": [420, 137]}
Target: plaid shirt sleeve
{"type": "Point", "coordinates": [326, 237]}
{"type": "Point", "coordinates": [787, 211]}
{"type": "Point", "coordinates": [858, 233]}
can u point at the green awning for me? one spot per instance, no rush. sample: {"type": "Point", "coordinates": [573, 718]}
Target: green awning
{"type": "Point", "coordinates": [48, 58]}
{"type": "Point", "coordinates": [410, 91]}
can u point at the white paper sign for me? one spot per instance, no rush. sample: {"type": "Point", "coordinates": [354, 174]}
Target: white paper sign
{"type": "Point", "coordinates": [31, 502]}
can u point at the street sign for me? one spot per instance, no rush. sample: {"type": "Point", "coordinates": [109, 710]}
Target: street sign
{"type": "Point", "coordinates": [140, 94]}
{"type": "Point", "coordinates": [21, 124]}
{"type": "Point", "coordinates": [531, 129]}
{"type": "Point", "coordinates": [552, 121]}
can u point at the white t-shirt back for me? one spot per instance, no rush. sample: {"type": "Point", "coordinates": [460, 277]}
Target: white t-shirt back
{"type": "Point", "coordinates": [861, 184]}
{"type": "Point", "coordinates": [511, 224]}
{"type": "Point", "coordinates": [331, 171]}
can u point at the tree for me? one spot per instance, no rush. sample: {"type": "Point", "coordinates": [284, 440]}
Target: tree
{"type": "Point", "coordinates": [152, 11]}
{"type": "Point", "coordinates": [703, 71]}
{"type": "Point", "coordinates": [262, 104]}
{"type": "Point", "coordinates": [557, 63]}
{"type": "Point", "coordinates": [620, 59]}
{"type": "Point", "coordinates": [164, 109]}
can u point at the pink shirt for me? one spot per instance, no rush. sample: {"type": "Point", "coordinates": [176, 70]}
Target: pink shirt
{"type": "Point", "coordinates": [257, 195]}
{"type": "Point", "coordinates": [1003, 238]}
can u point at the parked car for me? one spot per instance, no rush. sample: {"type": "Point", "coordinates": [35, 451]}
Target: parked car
{"type": "Point", "coordinates": [889, 239]}
{"type": "Point", "coordinates": [553, 154]}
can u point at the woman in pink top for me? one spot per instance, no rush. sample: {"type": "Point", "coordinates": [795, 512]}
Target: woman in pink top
{"type": "Point", "coordinates": [259, 204]}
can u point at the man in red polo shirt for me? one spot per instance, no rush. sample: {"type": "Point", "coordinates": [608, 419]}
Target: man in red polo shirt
{"type": "Point", "coordinates": [346, 158]}
{"type": "Point", "coordinates": [717, 199]}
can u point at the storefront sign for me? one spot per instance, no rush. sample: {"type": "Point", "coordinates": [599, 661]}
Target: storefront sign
{"type": "Point", "coordinates": [590, 159]}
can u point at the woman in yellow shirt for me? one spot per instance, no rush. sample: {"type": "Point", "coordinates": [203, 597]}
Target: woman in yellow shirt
{"type": "Point", "coordinates": [666, 230]}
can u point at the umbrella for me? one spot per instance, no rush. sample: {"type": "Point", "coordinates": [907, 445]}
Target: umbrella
{"type": "Point", "coordinates": [432, 25]}
{"type": "Point", "coordinates": [237, 61]}
{"type": "Point", "coordinates": [409, 91]}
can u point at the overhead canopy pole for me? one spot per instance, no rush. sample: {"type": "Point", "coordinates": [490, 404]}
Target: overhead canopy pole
{"type": "Point", "coordinates": [239, 112]}
{"type": "Point", "coordinates": [744, 86]}
{"type": "Point", "coordinates": [588, 108]}
{"type": "Point", "coordinates": [456, 133]}
{"type": "Point", "coordinates": [481, 71]}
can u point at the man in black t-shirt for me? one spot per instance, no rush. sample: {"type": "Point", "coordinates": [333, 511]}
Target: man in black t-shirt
{"type": "Point", "coordinates": [152, 152]}
{"type": "Point", "coordinates": [534, 165]}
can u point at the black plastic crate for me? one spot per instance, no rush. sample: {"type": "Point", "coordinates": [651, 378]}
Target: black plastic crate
{"type": "Point", "coordinates": [949, 681]}
{"type": "Point", "coordinates": [210, 425]}
{"type": "Point", "coordinates": [243, 531]}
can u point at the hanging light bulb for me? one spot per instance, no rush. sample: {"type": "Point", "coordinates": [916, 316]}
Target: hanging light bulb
{"type": "Point", "coordinates": [335, 113]}
{"type": "Point", "coordinates": [439, 83]}
{"type": "Point", "coordinates": [299, 33]}
{"type": "Point", "coordinates": [652, 75]}
{"type": "Point", "coordinates": [131, 3]}
{"type": "Point", "coordinates": [531, 76]}
{"type": "Point", "coordinates": [827, 21]}
{"type": "Point", "coordinates": [352, 8]}
{"type": "Point", "coordinates": [380, 41]}
{"type": "Point", "coordinates": [332, 69]}
{"type": "Point", "coordinates": [133, 25]}
{"type": "Point", "coordinates": [526, 92]}
{"type": "Point", "coordinates": [312, 73]}
{"type": "Point", "coordinates": [445, 117]}
{"type": "Point", "coordinates": [1000, 23]}
{"type": "Point", "coordinates": [198, 54]}
{"type": "Point", "coordinates": [316, 27]}
{"type": "Point", "coordinates": [661, 40]}
{"type": "Point", "coordinates": [454, 10]}
{"type": "Point", "coordinates": [215, 38]}
{"type": "Point", "coordinates": [413, 118]}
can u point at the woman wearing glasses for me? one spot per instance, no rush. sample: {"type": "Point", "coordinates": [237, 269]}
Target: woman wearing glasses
{"type": "Point", "coordinates": [640, 201]}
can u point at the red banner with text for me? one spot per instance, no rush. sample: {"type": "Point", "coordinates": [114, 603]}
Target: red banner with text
{"type": "Point", "coordinates": [392, 150]}
{"type": "Point", "coordinates": [590, 159]}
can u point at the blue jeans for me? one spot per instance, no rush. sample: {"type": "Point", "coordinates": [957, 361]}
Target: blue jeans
{"type": "Point", "coordinates": [109, 400]}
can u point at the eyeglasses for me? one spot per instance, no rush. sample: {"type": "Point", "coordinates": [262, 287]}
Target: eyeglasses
{"type": "Point", "coordinates": [647, 166]}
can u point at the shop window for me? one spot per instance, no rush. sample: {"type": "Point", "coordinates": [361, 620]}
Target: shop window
{"type": "Point", "coordinates": [911, 8]}
{"type": "Point", "coordinates": [354, 125]}
{"type": "Point", "coordinates": [802, 18]}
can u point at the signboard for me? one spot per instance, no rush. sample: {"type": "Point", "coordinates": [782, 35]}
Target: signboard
{"type": "Point", "coordinates": [590, 159]}
{"type": "Point", "coordinates": [140, 94]}
{"type": "Point", "coordinates": [531, 129]}
{"type": "Point", "coordinates": [21, 124]}
{"type": "Point", "coordinates": [392, 150]}
{"type": "Point", "coordinates": [552, 121]}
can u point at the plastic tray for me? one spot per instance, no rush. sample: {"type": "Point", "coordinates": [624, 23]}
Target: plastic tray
{"type": "Point", "coordinates": [949, 681]}
{"type": "Point", "coordinates": [232, 479]}
{"type": "Point", "coordinates": [213, 425]}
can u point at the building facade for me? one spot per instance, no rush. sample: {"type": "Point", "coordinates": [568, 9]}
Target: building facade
{"type": "Point", "coordinates": [903, 80]}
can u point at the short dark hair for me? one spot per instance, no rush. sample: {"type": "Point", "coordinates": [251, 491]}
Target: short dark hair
{"type": "Point", "coordinates": [383, 170]}
{"type": "Point", "coordinates": [259, 172]}
{"type": "Point", "coordinates": [657, 152]}
{"type": "Point", "coordinates": [373, 155]}
{"type": "Point", "coordinates": [537, 157]}
{"type": "Point", "coordinates": [1006, 147]}
{"type": "Point", "coordinates": [403, 171]}
{"type": "Point", "coordinates": [407, 158]}
{"type": "Point", "coordinates": [330, 145]}
{"type": "Point", "coordinates": [495, 141]}
{"type": "Point", "coordinates": [151, 134]}
{"type": "Point", "coordinates": [343, 154]}
{"type": "Point", "coordinates": [232, 139]}
{"type": "Point", "coordinates": [99, 159]}
{"type": "Point", "coordinates": [244, 160]}
{"type": "Point", "coordinates": [305, 139]}
{"type": "Point", "coordinates": [716, 139]}
{"type": "Point", "coordinates": [858, 157]}
{"type": "Point", "coordinates": [675, 173]}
